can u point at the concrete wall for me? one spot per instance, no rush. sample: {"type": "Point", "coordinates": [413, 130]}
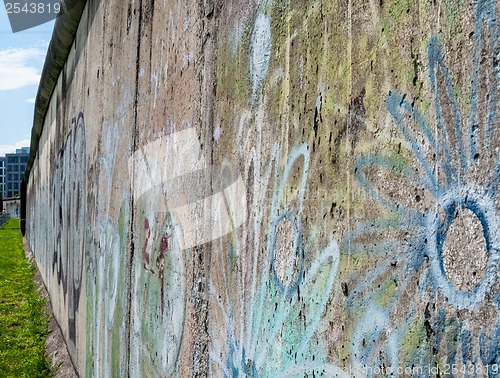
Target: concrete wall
{"type": "Point", "coordinates": [274, 188]}
{"type": "Point", "coordinates": [12, 207]}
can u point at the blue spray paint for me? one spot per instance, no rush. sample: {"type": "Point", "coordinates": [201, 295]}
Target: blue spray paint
{"type": "Point", "coordinates": [275, 337]}
{"type": "Point", "coordinates": [448, 159]}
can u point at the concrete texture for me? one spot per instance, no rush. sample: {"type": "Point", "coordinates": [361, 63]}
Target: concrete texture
{"type": "Point", "coordinates": [12, 207]}
{"type": "Point", "coordinates": [274, 188]}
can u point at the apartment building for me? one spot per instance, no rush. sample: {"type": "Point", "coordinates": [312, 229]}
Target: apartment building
{"type": "Point", "coordinates": [14, 167]}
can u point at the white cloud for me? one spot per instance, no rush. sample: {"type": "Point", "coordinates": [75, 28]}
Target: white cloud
{"type": "Point", "coordinates": [30, 100]}
{"type": "Point", "coordinates": [11, 148]}
{"type": "Point", "coordinates": [20, 67]}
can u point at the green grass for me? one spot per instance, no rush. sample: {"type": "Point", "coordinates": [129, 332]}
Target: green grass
{"type": "Point", "coordinates": [23, 320]}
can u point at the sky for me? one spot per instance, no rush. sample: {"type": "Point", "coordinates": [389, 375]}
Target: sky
{"type": "Point", "coordinates": [21, 61]}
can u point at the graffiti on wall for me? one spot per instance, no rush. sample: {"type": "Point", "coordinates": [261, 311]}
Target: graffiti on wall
{"type": "Point", "coordinates": [57, 209]}
{"type": "Point", "coordinates": [419, 283]}
{"type": "Point", "coordinates": [446, 221]}
{"type": "Point", "coordinates": [260, 52]}
{"type": "Point", "coordinates": [269, 290]}
{"type": "Point", "coordinates": [179, 197]}
{"type": "Point", "coordinates": [107, 261]}
{"type": "Point", "coordinates": [158, 279]}
{"type": "Point", "coordinates": [271, 330]}
{"type": "Point", "coordinates": [69, 213]}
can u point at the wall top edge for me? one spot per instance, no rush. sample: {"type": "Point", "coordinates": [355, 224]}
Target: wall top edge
{"type": "Point", "coordinates": [62, 39]}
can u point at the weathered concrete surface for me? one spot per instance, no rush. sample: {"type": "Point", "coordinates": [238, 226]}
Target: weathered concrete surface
{"type": "Point", "coordinates": [12, 207]}
{"type": "Point", "coordinates": [274, 189]}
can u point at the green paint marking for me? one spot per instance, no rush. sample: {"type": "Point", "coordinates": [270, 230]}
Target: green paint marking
{"type": "Point", "coordinates": [388, 292]}
{"type": "Point", "coordinates": [412, 340]}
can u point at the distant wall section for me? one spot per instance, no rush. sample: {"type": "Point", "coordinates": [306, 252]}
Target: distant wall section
{"type": "Point", "coordinates": [12, 207]}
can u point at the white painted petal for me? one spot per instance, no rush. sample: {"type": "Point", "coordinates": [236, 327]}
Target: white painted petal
{"type": "Point", "coordinates": [260, 52]}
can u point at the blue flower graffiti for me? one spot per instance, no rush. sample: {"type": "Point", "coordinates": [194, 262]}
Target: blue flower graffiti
{"type": "Point", "coordinates": [453, 166]}
{"type": "Point", "coordinates": [271, 331]}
